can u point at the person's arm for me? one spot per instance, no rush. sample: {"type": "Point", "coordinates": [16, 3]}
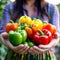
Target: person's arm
{"type": "Point", "coordinates": [55, 21]}
{"type": "Point", "coordinates": [54, 41]}
{"type": "Point", "coordinates": [4, 35]}
{"type": "Point", "coordinates": [4, 21]}
{"type": "Point", "coordinates": [5, 18]}
{"type": "Point", "coordinates": [55, 18]}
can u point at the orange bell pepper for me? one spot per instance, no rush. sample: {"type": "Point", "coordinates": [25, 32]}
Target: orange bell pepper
{"type": "Point", "coordinates": [11, 26]}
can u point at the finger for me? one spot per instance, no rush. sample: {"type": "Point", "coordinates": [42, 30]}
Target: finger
{"type": "Point", "coordinates": [4, 35]}
{"type": "Point", "coordinates": [17, 48]}
{"type": "Point", "coordinates": [23, 49]}
{"type": "Point", "coordinates": [27, 50]}
{"type": "Point", "coordinates": [44, 46]}
{"type": "Point", "coordinates": [43, 50]}
{"type": "Point", "coordinates": [36, 48]}
{"type": "Point", "coordinates": [33, 51]}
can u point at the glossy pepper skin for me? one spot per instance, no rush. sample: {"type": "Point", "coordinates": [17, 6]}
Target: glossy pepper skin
{"type": "Point", "coordinates": [22, 26]}
{"type": "Point", "coordinates": [30, 32]}
{"type": "Point", "coordinates": [25, 19]}
{"type": "Point", "coordinates": [43, 37]}
{"type": "Point", "coordinates": [11, 26]}
{"type": "Point", "coordinates": [51, 28]}
{"type": "Point", "coordinates": [24, 35]}
{"type": "Point", "coordinates": [15, 38]}
{"type": "Point", "coordinates": [37, 24]}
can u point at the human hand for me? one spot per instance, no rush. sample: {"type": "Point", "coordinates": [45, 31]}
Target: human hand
{"type": "Point", "coordinates": [4, 35]}
{"type": "Point", "coordinates": [43, 48]}
{"type": "Point", "coordinates": [36, 50]}
{"type": "Point", "coordinates": [53, 42]}
{"type": "Point", "coordinates": [18, 49]}
{"type": "Point", "coordinates": [21, 49]}
{"type": "Point", "coordinates": [56, 35]}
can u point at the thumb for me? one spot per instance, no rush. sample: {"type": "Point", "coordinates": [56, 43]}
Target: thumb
{"type": "Point", "coordinates": [44, 46]}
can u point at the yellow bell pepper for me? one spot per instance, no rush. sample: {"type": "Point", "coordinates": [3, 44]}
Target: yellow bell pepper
{"type": "Point", "coordinates": [38, 24]}
{"type": "Point", "coordinates": [25, 19]}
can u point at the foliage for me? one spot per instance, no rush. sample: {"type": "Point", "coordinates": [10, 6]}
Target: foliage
{"type": "Point", "coordinates": [59, 8]}
{"type": "Point", "coordinates": [3, 49]}
{"type": "Point", "coordinates": [2, 4]}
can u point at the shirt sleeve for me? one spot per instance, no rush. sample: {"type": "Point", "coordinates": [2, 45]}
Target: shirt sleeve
{"type": "Point", "coordinates": [5, 18]}
{"type": "Point", "coordinates": [55, 18]}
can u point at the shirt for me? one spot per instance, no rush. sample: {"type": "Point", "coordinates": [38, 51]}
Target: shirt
{"type": "Point", "coordinates": [7, 14]}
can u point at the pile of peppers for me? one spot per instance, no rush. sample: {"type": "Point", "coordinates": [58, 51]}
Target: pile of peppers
{"type": "Point", "coordinates": [37, 31]}
{"type": "Point", "coordinates": [39, 37]}
{"type": "Point", "coordinates": [28, 31]}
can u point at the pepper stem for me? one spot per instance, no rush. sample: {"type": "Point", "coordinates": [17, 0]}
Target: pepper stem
{"type": "Point", "coordinates": [35, 19]}
{"type": "Point", "coordinates": [45, 22]}
{"type": "Point", "coordinates": [11, 21]}
{"type": "Point", "coordinates": [30, 26]}
{"type": "Point", "coordinates": [41, 33]}
{"type": "Point", "coordinates": [25, 16]}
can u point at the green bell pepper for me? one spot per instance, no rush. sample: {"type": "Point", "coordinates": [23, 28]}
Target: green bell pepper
{"type": "Point", "coordinates": [15, 38]}
{"type": "Point", "coordinates": [24, 35]}
{"type": "Point", "coordinates": [18, 37]}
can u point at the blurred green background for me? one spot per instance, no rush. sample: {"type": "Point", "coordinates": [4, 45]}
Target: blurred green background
{"type": "Point", "coordinates": [3, 49]}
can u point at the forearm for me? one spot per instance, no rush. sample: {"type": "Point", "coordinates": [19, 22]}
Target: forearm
{"type": "Point", "coordinates": [54, 42]}
{"type": "Point", "coordinates": [6, 41]}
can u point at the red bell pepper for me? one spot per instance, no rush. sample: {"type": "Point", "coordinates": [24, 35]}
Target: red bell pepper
{"type": "Point", "coordinates": [42, 37]}
{"type": "Point", "coordinates": [50, 27]}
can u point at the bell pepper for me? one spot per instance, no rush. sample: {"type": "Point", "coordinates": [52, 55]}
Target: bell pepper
{"type": "Point", "coordinates": [29, 43]}
{"type": "Point", "coordinates": [24, 35]}
{"type": "Point", "coordinates": [25, 19]}
{"type": "Point", "coordinates": [53, 30]}
{"type": "Point", "coordinates": [50, 27]}
{"type": "Point", "coordinates": [30, 32]}
{"type": "Point", "coordinates": [37, 24]}
{"type": "Point", "coordinates": [22, 26]}
{"type": "Point", "coordinates": [42, 37]}
{"type": "Point", "coordinates": [11, 26]}
{"type": "Point", "coordinates": [15, 38]}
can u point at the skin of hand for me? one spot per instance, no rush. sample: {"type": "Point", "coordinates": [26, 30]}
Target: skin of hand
{"type": "Point", "coordinates": [18, 49]}
{"type": "Point", "coordinates": [43, 48]}
{"type": "Point", "coordinates": [37, 50]}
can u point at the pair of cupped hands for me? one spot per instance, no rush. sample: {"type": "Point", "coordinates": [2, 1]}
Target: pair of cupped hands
{"type": "Point", "coordinates": [24, 48]}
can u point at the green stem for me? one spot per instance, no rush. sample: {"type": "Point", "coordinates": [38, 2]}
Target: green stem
{"type": "Point", "coordinates": [45, 22]}
{"type": "Point", "coordinates": [30, 26]}
{"type": "Point", "coordinates": [35, 18]}
{"type": "Point", "coordinates": [41, 33]}
{"type": "Point", "coordinates": [11, 21]}
{"type": "Point", "coordinates": [25, 16]}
